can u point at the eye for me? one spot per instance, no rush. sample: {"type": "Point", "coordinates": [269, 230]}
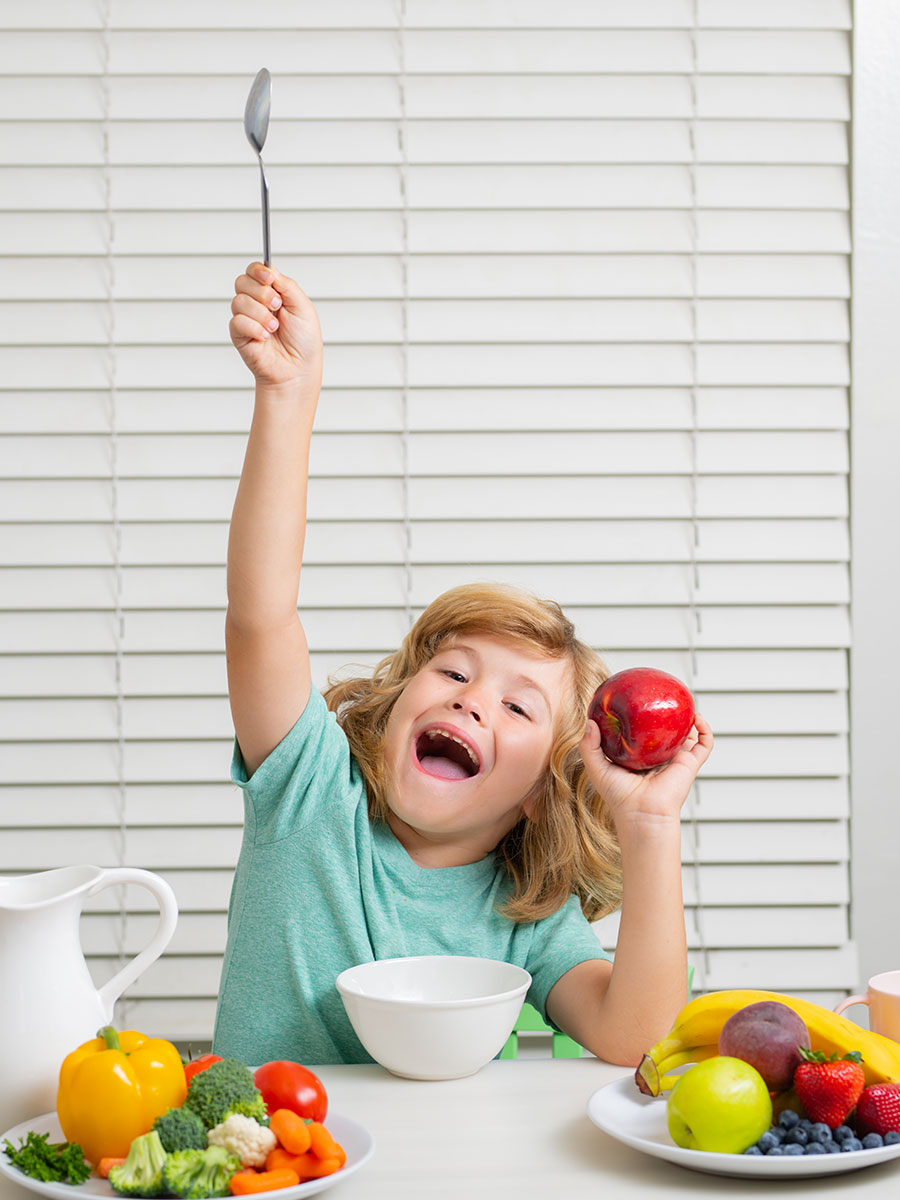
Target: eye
{"type": "Point", "coordinates": [454, 675]}
{"type": "Point", "coordinates": [517, 709]}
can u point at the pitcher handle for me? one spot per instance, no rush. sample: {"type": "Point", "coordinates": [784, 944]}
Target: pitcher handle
{"type": "Point", "coordinates": [168, 916]}
{"type": "Point", "coordinates": [839, 1008]}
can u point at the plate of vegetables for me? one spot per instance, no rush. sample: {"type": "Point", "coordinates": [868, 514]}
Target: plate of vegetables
{"type": "Point", "coordinates": [355, 1139]}
{"type": "Point", "coordinates": [229, 1132]}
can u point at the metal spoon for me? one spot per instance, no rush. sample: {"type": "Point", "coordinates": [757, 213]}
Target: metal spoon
{"type": "Point", "coordinates": [256, 126]}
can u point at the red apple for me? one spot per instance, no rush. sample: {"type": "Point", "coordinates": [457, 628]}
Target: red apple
{"type": "Point", "coordinates": [644, 717]}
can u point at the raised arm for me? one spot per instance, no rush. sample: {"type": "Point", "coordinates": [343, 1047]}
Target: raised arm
{"type": "Point", "coordinates": [266, 650]}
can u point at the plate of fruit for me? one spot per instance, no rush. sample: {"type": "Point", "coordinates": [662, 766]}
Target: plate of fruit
{"type": "Point", "coordinates": [751, 1083]}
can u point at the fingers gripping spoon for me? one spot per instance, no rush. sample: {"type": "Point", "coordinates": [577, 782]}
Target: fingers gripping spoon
{"type": "Point", "coordinates": [256, 126]}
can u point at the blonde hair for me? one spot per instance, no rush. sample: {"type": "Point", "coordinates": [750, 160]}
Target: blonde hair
{"type": "Point", "coordinates": [568, 844]}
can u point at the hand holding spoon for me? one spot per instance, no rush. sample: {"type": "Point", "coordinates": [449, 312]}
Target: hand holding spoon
{"type": "Point", "coordinates": [256, 126]}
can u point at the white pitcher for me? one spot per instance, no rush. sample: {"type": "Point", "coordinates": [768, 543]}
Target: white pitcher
{"type": "Point", "coordinates": [48, 1001]}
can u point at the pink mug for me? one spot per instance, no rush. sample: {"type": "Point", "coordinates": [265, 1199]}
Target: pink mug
{"type": "Point", "coordinates": [883, 998]}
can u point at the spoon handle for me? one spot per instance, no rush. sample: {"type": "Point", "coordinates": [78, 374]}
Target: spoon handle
{"type": "Point", "coordinates": [267, 253]}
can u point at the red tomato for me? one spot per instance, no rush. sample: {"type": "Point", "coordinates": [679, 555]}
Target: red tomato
{"type": "Point", "coordinates": [288, 1085]}
{"type": "Point", "coordinates": [200, 1064]}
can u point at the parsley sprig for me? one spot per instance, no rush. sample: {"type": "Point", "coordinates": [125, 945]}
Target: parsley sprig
{"type": "Point", "coordinates": [56, 1162]}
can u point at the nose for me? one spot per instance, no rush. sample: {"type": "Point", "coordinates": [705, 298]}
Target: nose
{"type": "Point", "coordinates": [470, 706]}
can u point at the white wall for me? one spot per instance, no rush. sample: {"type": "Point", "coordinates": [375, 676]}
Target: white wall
{"type": "Point", "coordinates": [875, 741]}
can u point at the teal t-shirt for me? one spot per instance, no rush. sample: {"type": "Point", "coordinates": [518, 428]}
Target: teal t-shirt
{"type": "Point", "coordinates": [319, 888]}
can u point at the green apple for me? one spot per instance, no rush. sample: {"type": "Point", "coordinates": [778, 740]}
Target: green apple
{"type": "Point", "coordinates": [721, 1104]}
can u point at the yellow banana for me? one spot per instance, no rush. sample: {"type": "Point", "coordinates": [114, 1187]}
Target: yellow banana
{"type": "Point", "coordinates": [693, 1054]}
{"type": "Point", "coordinates": [664, 1079]}
{"type": "Point", "coordinates": [654, 1073]}
{"type": "Point", "coordinates": [700, 1022]}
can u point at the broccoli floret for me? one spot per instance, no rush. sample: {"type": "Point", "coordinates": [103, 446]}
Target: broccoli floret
{"type": "Point", "coordinates": [199, 1174]}
{"type": "Point", "coordinates": [180, 1129]}
{"type": "Point", "coordinates": [141, 1172]}
{"type": "Point", "coordinates": [224, 1088]}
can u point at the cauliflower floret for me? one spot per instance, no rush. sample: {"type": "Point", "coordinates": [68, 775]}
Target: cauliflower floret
{"type": "Point", "coordinates": [245, 1138]}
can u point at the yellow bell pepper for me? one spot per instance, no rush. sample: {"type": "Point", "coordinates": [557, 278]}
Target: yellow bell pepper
{"type": "Point", "coordinates": [112, 1089]}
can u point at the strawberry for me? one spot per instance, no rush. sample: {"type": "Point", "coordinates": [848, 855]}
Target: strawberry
{"type": "Point", "coordinates": [878, 1109]}
{"type": "Point", "coordinates": [829, 1088]}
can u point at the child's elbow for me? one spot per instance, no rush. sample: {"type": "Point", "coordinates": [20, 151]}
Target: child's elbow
{"type": "Point", "coordinates": [626, 1047]}
{"type": "Point", "coordinates": [619, 1054]}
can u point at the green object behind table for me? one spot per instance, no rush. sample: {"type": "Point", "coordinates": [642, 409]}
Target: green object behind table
{"type": "Point", "coordinates": [563, 1047]}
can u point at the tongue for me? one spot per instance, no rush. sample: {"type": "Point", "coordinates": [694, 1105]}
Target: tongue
{"type": "Point", "coordinates": [443, 768]}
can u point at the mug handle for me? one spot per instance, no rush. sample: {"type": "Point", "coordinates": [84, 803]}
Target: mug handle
{"type": "Point", "coordinates": [168, 916]}
{"type": "Point", "coordinates": [839, 1008]}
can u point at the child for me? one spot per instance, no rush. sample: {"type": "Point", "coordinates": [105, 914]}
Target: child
{"type": "Point", "coordinates": [457, 802]}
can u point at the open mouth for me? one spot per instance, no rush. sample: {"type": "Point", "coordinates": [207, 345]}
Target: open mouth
{"type": "Point", "coordinates": [446, 756]}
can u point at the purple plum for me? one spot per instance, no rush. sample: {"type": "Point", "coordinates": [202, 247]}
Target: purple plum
{"type": "Point", "coordinates": [767, 1036]}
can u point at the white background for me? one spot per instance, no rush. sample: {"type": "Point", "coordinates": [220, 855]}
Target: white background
{"type": "Point", "coordinates": [584, 276]}
{"type": "Point", "coordinates": [876, 486]}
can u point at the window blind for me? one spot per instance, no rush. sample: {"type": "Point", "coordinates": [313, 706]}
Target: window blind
{"type": "Point", "coordinates": [583, 276]}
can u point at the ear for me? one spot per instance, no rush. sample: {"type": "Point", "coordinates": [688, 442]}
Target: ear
{"type": "Point", "coordinates": [528, 806]}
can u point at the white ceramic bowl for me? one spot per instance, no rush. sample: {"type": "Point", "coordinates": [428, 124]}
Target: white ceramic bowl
{"type": "Point", "coordinates": [437, 1016]}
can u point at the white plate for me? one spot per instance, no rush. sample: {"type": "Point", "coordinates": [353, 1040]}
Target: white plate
{"type": "Point", "coordinates": [355, 1138]}
{"type": "Point", "coordinates": [620, 1110]}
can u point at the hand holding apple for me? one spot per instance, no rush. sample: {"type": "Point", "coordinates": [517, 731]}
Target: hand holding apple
{"type": "Point", "coordinates": [644, 716]}
{"type": "Point", "coordinates": [633, 798]}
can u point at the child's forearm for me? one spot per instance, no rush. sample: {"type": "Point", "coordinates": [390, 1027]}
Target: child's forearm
{"type": "Point", "coordinates": [620, 1014]}
{"type": "Point", "coordinates": [648, 985]}
{"type": "Point", "coordinates": [268, 524]}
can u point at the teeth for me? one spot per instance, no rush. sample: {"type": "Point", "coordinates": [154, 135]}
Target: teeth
{"type": "Point", "coordinates": [436, 733]}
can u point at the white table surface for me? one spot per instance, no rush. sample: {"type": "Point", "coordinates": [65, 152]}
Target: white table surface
{"type": "Point", "coordinates": [519, 1129]}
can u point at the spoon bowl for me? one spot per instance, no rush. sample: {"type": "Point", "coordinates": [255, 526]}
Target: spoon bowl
{"type": "Point", "coordinates": [256, 126]}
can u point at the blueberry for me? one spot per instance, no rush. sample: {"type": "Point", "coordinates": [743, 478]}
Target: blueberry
{"type": "Point", "coordinates": [779, 1133]}
{"type": "Point", "coordinates": [872, 1141]}
{"type": "Point", "coordinates": [841, 1132]}
{"type": "Point", "coordinates": [794, 1148]}
{"type": "Point", "coordinates": [814, 1148]}
{"type": "Point", "coordinates": [768, 1140]}
{"type": "Point", "coordinates": [892, 1137]}
{"type": "Point", "coordinates": [820, 1132]}
{"type": "Point", "coordinates": [832, 1147]}
{"type": "Point", "coordinates": [789, 1119]}
{"type": "Point", "coordinates": [774, 1151]}
{"type": "Point", "coordinates": [851, 1143]}
{"type": "Point", "coordinates": [797, 1136]}
{"type": "Point", "coordinates": [753, 1150]}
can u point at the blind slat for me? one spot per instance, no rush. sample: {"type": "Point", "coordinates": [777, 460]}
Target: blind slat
{"type": "Point", "coordinates": [44, 806]}
{"type": "Point", "coordinates": [635, 541]}
{"type": "Point", "coordinates": [36, 672]}
{"type": "Point", "coordinates": [438, 321]}
{"type": "Point", "coordinates": [819, 497]}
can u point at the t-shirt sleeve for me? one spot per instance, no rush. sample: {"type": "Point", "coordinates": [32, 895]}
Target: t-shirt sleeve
{"type": "Point", "coordinates": [310, 770]}
{"type": "Point", "coordinates": [562, 941]}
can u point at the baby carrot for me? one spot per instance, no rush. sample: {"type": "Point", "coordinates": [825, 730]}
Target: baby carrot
{"type": "Point", "coordinates": [291, 1130]}
{"type": "Point", "coordinates": [246, 1183]}
{"type": "Point", "coordinates": [305, 1166]}
{"type": "Point", "coordinates": [105, 1165]}
{"type": "Point", "coordinates": [322, 1144]}
{"type": "Point", "coordinates": [278, 1158]}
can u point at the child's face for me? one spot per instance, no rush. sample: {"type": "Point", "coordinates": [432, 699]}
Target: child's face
{"type": "Point", "coordinates": [467, 743]}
